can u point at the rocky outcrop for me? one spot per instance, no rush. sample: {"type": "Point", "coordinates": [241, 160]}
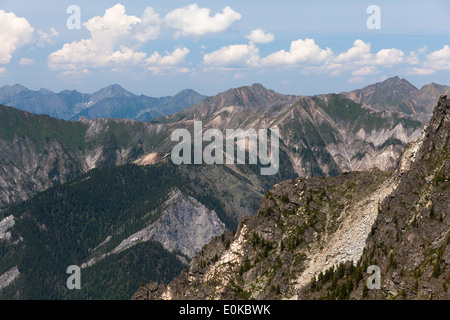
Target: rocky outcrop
{"type": "Point", "coordinates": [8, 277]}
{"type": "Point", "coordinates": [5, 225]}
{"type": "Point", "coordinates": [185, 226]}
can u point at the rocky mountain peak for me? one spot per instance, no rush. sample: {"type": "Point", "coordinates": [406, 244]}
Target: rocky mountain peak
{"type": "Point", "coordinates": [441, 113]}
{"type": "Point", "coordinates": [111, 91]}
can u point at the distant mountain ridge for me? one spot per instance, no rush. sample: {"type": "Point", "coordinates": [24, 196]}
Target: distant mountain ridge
{"type": "Point", "coordinates": [398, 95]}
{"type": "Point", "coordinates": [110, 102]}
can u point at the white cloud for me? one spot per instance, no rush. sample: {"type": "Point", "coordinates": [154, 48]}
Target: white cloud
{"type": "Point", "coordinates": [439, 60]}
{"type": "Point", "coordinates": [259, 36]}
{"type": "Point", "coordinates": [14, 33]}
{"type": "Point", "coordinates": [193, 20]}
{"type": "Point", "coordinates": [26, 62]}
{"type": "Point", "coordinates": [86, 53]}
{"type": "Point", "coordinates": [421, 71]}
{"type": "Point", "coordinates": [116, 27]}
{"type": "Point", "coordinates": [236, 54]}
{"type": "Point", "coordinates": [3, 71]}
{"type": "Point", "coordinates": [159, 63]}
{"type": "Point", "coordinates": [365, 71]}
{"type": "Point", "coordinates": [176, 57]}
{"type": "Point", "coordinates": [45, 38]}
{"type": "Point", "coordinates": [414, 56]}
{"type": "Point", "coordinates": [356, 79]}
{"type": "Point", "coordinates": [301, 51]}
{"type": "Point", "coordinates": [359, 53]}
{"type": "Point", "coordinates": [150, 26]}
{"type": "Point", "coordinates": [389, 57]}
{"type": "Point", "coordinates": [114, 38]}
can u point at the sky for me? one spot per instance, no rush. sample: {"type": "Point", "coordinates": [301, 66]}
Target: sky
{"type": "Point", "coordinates": [159, 48]}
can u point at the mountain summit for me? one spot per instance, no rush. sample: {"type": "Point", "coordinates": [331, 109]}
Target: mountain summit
{"type": "Point", "coordinates": [398, 95]}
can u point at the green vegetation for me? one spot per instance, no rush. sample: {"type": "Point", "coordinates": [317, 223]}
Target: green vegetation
{"type": "Point", "coordinates": [40, 128]}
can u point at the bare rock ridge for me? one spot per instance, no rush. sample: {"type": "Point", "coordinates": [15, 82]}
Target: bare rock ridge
{"type": "Point", "coordinates": [185, 226]}
{"type": "Point", "coordinates": [8, 277]}
{"type": "Point", "coordinates": [5, 225]}
{"type": "Point", "coordinates": [314, 238]}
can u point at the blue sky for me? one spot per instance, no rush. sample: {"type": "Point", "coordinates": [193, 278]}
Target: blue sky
{"type": "Point", "coordinates": [159, 48]}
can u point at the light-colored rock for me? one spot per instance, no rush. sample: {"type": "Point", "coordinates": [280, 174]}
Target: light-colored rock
{"type": "Point", "coordinates": [8, 277]}
{"type": "Point", "coordinates": [185, 225]}
{"type": "Point", "coordinates": [6, 224]}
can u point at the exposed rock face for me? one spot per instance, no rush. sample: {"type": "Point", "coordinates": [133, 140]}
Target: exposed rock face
{"type": "Point", "coordinates": [297, 222]}
{"type": "Point", "coordinates": [24, 171]}
{"type": "Point", "coordinates": [185, 225]}
{"type": "Point", "coordinates": [5, 225]}
{"type": "Point", "coordinates": [8, 277]}
{"type": "Point", "coordinates": [398, 221]}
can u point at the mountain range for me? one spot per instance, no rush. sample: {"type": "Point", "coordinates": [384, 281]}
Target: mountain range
{"type": "Point", "coordinates": [129, 203]}
{"type": "Point", "coordinates": [315, 238]}
{"type": "Point", "coordinates": [110, 102]}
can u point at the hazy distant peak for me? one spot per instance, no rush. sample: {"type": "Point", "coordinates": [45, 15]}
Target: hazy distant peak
{"type": "Point", "coordinates": [111, 91]}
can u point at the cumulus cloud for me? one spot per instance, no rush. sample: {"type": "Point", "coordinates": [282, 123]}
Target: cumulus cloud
{"type": "Point", "coordinates": [439, 59]}
{"type": "Point", "coordinates": [237, 54]}
{"type": "Point", "coordinates": [86, 53]}
{"type": "Point", "coordinates": [389, 57]}
{"type": "Point", "coordinates": [365, 71]}
{"type": "Point", "coordinates": [47, 38]}
{"type": "Point", "coordinates": [421, 71]}
{"type": "Point", "coordinates": [359, 53]}
{"type": "Point", "coordinates": [301, 51]}
{"type": "Point", "coordinates": [117, 27]}
{"type": "Point", "coordinates": [114, 39]}
{"type": "Point", "coordinates": [158, 63]}
{"type": "Point", "coordinates": [14, 33]}
{"type": "Point", "coordinates": [259, 36]}
{"type": "Point", "coordinates": [196, 21]}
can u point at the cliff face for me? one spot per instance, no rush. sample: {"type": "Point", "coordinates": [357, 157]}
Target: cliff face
{"type": "Point", "coordinates": [314, 238]}
{"type": "Point", "coordinates": [410, 237]}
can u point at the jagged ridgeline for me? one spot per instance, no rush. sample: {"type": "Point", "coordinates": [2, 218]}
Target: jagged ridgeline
{"type": "Point", "coordinates": [321, 135]}
{"type": "Point", "coordinates": [314, 238]}
{"type": "Point", "coordinates": [103, 193]}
